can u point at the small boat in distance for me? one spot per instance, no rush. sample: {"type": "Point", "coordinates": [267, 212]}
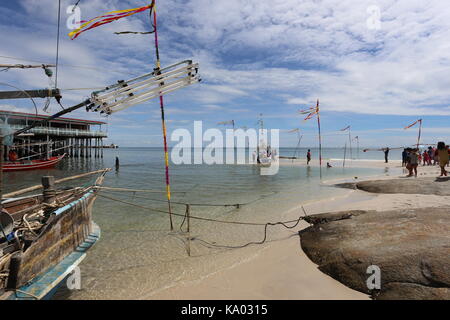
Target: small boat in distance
{"type": "Point", "coordinates": [32, 164]}
{"type": "Point", "coordinates": [264, 152]}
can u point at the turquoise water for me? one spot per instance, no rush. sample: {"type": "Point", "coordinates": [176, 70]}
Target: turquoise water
{"type": "Point", "coordinates": [138, 254]}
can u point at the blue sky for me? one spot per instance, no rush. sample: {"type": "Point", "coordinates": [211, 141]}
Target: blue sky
{"type": "Point", "coordinates": [271, 57]}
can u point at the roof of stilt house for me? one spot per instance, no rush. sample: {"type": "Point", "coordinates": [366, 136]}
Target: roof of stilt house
{"type": "Point", "coordinates": [23, 115]}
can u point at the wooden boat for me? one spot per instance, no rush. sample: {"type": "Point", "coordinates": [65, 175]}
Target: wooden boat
{"type": "Point", "coordinates": [32, 164]}
{"type": "Point", "coordinates": [43, 238]}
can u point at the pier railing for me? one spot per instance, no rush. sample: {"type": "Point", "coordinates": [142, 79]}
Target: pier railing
{"type": "Point", "coordinates": [63, 132]}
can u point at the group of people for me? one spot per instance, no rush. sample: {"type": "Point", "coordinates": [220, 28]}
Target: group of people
{"type": "Point", "coordinates": [412, 157]}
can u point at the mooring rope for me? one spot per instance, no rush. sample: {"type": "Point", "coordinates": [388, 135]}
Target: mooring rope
{"type": "Point", "coordinates": [237, 205]}
{"type": "Point", "coordinates": [182, 215]}
{"type": "Point", "coordinates": [209, 244]}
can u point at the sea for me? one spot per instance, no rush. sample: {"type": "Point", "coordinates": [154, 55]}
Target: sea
{"type": "Point", "coordinates": [138, 253]}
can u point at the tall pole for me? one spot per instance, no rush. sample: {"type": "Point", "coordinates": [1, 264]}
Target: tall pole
{"type": "Point", "coordinates": [357, 146]}
{"type": "Point", "coordinates": [420, 131]}
{"type": "Point", "coordinates": [345, 153]}
{"type": "Point", "coordinates": [164, 130]}
{"type": "Point", "coordinates": [350, 141]}
{"type": "Point", "coordinates": [320, 139]}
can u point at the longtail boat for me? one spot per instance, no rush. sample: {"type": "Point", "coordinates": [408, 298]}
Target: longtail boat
{"type": "Point", "coordinates": [44, 237]}
{"type": "Point", "coordinates": [32, 164]}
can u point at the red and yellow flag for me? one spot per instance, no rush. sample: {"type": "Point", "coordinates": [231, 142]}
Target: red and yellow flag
{"type": "Point", "coordinates": [107, 18]}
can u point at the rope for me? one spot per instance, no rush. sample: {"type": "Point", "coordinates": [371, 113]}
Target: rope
{"type": "Point", "coordinates": [209, 244]}
{"type": "Point", "coordinates": [136, 190]}
{"type": "Point", "coordinates": [266, 226]}
{"type": "Point", "coordinates": [237, 205]}
{"type": "Point", "coordinates": [76, 5]}
{"type": "Point", "coordinates": [193, 217]}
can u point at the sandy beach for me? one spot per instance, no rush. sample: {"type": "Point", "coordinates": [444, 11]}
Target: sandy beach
{"type": "Point", "coordinates": [282, 270]}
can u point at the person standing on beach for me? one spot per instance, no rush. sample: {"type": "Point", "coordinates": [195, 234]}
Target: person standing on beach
{"type": "Point", "coordinates": [413, 162]}
{"type": "Point", "coordinates": [442, 153]}
{"type": "Point", "coordinates": [308, 156]}
{"type": "Point", "coordinates": [404, 154]}
{"type": "Point", "coordinates": [426, 158]}
{"type": "Point", "coordinates": [386, 154]}
{"type": "Point", "coordinates": [435, 156]}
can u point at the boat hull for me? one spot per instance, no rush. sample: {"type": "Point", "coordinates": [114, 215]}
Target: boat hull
{"type": "Point", "coordinates": [32, 165]}
{"type": "Point", "coordinates": [43, 266]}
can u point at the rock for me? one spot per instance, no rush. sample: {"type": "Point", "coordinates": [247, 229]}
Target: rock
{"type": "Point", "coordinates": [436, 186]}
{"type": "Point", "coordinates": [411, 247]}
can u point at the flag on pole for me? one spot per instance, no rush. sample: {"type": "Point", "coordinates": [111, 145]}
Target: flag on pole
{"type": "Point", "coordinates": [107, 18]}
{"type": "Point", "coordinates": [310, 112]}
{"type": "Point", "coordinates": [226, 122]}
{"type": "Point", "coordinates": [346, 128]}
{"type": "Point", "coordinates": [413, 124]}
{"type": "Point", "coordinates": [294, 130]}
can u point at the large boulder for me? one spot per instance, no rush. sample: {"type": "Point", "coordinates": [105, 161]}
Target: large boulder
{"type": "Point", "coordinates": [436, 186]}
{"type": "Point", "coordinates": [411, 247]}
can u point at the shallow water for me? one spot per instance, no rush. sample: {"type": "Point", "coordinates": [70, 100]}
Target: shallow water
{"type": "Point", "coordinates": [137, 253]}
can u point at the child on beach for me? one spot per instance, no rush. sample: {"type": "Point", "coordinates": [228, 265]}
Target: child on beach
{"type": "Point", "coordinates": [426, 158]}
{"type": "Point", "coordinates": [413, 162]}
{"type": "Point", "coordinates": [442, 152]}
{"type": "Point", "coordinates": [308, 156]}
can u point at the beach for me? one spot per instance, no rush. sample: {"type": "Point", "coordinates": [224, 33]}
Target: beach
{"type": "Point", "coordinates": [282, 270]}
{"type": "Point", "coordinates": [138, 257]}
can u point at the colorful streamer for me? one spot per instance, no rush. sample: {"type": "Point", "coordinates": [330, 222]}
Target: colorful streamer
{"type": "Point", "coordinates": [107, 18]}
{"type": "Point", "coordinates": [413, 124]}
{"type": "Point", "coordinates": [420, 130]}
{"type": "Point", "coordinates": [311, 112]}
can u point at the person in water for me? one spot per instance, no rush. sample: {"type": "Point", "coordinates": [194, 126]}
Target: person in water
{"type": "Point", "coordinates": [329, 165]}
{"type": "Point", "coordinates": [386, 154]}
{"type": "Point", "coordinates": [442, 152]}
{"type": "Point", "coordinates": [308, 156]}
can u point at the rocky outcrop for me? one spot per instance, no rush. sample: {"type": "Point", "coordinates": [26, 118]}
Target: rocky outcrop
{"type": "Point", "coordinates": [436, 186]}
{"type": "Point", "coordinates": [411, 248]}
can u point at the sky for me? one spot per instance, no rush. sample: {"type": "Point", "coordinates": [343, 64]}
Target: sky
{"type": "Point", "coordinates": [377, 66]}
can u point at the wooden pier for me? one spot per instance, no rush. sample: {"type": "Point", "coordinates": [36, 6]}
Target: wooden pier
{"type": "Point", "coordinates": [77, 138]}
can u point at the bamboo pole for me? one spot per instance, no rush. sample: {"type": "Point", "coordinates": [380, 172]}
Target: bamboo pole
{"type": "Point", "coordinates": [420, 131]}
{"type": "Point", "coordinates": [37, 187]}
{"type": "Point", "coordinates": [188, 216]}
{"type": "Point", "coordinates": [345, 153]}
{"type": "Point", "coordinates": [320, 139]}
